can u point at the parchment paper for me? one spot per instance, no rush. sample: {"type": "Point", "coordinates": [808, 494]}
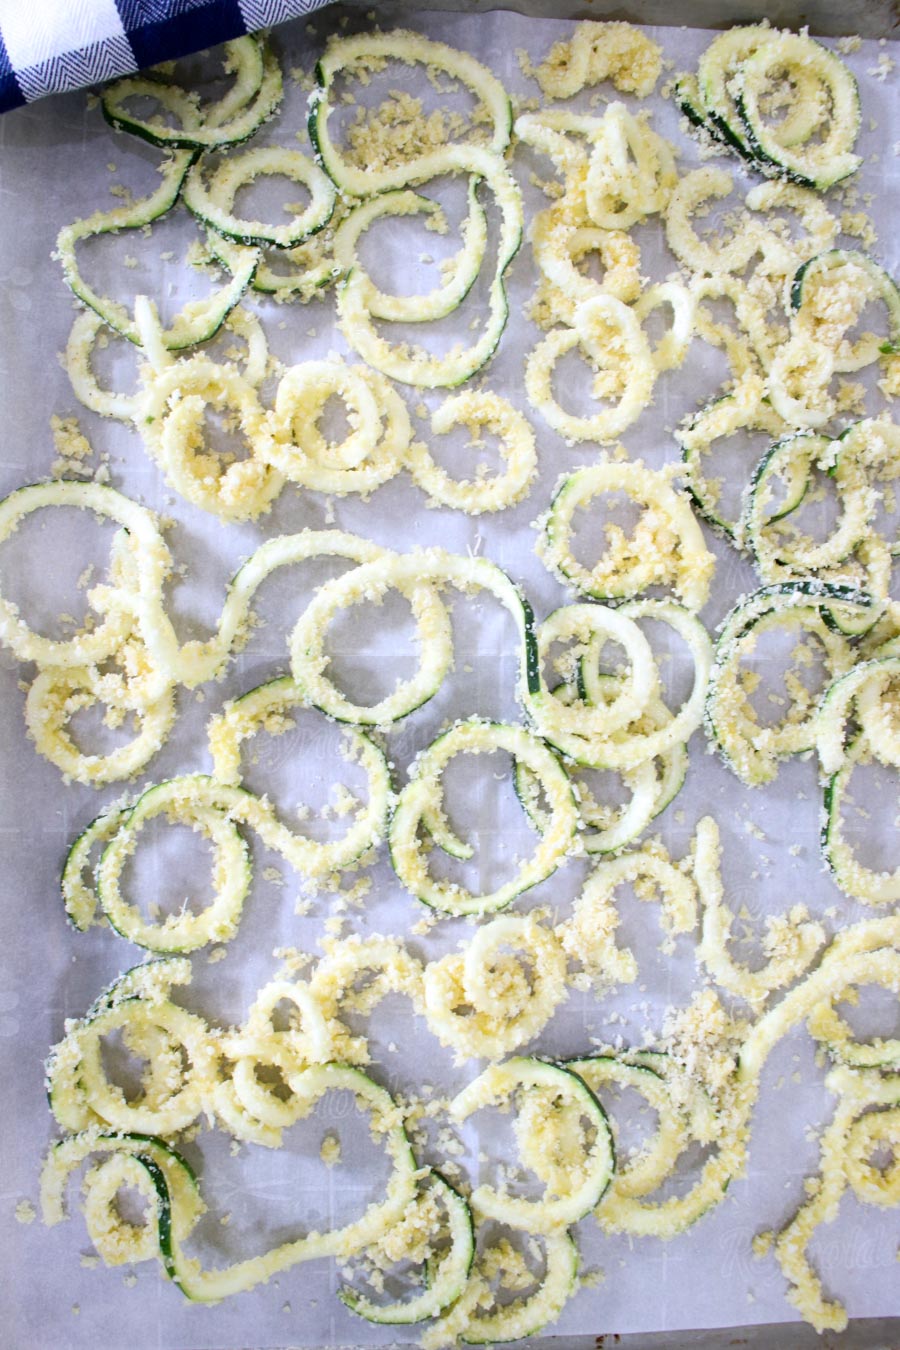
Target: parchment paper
{"type": "Point", "coordinates": [56, 166]}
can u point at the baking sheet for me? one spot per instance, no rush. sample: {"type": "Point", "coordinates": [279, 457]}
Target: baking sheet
{"type": "Point", "coordinates": [55, 167]}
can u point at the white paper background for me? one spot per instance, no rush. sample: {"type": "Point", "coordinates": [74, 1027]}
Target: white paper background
{"type": "Point", "coordinates": [54, 168]}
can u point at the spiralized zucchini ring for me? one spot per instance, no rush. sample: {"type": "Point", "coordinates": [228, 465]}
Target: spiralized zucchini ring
{"type": "Point", "coordinates": [558, 245]}
{"type": "Point", "coordinates": [653, 783]}
{"type": "Point", "coordinates": [619, 52]}
{"type": "Point", "coordinates": [115, 1239]}
{"type": "Point", "coordinates": [643, 1172]}
{"type": "Point", "coordinates": [827, 295]}
{"type": "Point", "coordinates": [197, 321]}
{"type": "Point", "coordinates": [342, 54]}
{"type": "Point", "coordinates": [752, 750]}
{"type": "Point", "coordinates": [852, 876]}
{"type": "Point", "coordinates": [463, 269]}
{"type": "Point", "coordinates": [745, 408]}
{"type": "Point", "coordinates": [523, 1316]}
{"type": "Point", "coordinates": [357, 294]}
{"type": "Point", "coordinates": [481, 494]}
{"type": "Point", "coordinates": [418, 575]}
{"type": "Point", "coordinates": [781, 253]}
{"type": "Point", "coordinates": [672, 347]}
{"type": "Point", "coordinates": [610, 336]}
{"type": "Point", "coordinates": [589, 935]}
{"type": "Point", "coordinates": [589, 1175]}
{"type": "Point", "coordinates": [858, 693]}
{"type": "Point", "coordinates": [856, 464]}
{"type": "Point", "coordinates": [171, 1229]}
{"type": "Point", "coordinates": [300, 273]}
{"type": "Point", "coordinates": [445, 1275]}
{"type": "Point", "coordinates": [855, 1131]}
{"type": "Point", "coordinates": [608, 731]}
{"type": "Point", "coordinates": [785, 104]}
{"type": "Point", "coordinates": [252, 99]}
{"type": "Point", "coordinates": [702, 254]}
{"type": "Point", "coordinates": [171, 420]}
{"type": "Point", "coordinates": [667, 546]}
{"type": "Point", "coordinates": [791, 941]}
{"type": "Point", "coordinates": [215, 809]}
{"type": "Point", "coordinates": [420, 803]}
{"type": "Point", "coordinates": [510, 998]}
{"type": "Point", "coordinates": [750, 344]}
{"type": "Point", "coordinates": [212, 198]}
{"type": "Point", "coordinates": [372, 452]}
{"type": "Point", "coordinates": [56, 695]}
{"type": "Point", "coordinates": [812, 163]}
{"type": "Point", "coordinates": [798, 382]}
{"type": "Point", "coordinates": [80, 1092]}
{"type": "Point", "coordinates": [631, 171]}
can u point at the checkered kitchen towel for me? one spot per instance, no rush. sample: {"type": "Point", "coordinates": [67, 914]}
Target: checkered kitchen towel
{"type": "Point", "coordinates": [47, 46]}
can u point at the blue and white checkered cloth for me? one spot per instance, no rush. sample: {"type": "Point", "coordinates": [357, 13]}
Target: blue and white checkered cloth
{"type": "Point", "coordinates": [48, 46]}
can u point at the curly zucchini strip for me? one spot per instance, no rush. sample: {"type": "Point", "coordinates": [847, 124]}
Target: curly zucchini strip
{"type": "Point", "coordinates": [216, 809]}
{"type": "Point", "coordinates": [672, 348]}
{"type": "Point", "coordinates": [798, 381]}
{"type": "Point", "coordinates": [744, 408]}
{"type": "Point", "coordinates": [608, 734]}
{"type": "Point", "coordinates": [791, 941]}
{"type": "Point", "coordinates": [862, 688]}
{"type": "Point", "coordinates": [781, 549]}
{"type": "Point", "coordinates": [652, 782]}
{"type": "Point", "coordinates": [171, 421]}
{"type": "Point", "coordinates": [701, 254]}
{"type": "Point", "coordinates": [481, 494]}
{"type": "Point", "coordinates": [781, 255]}
{"type": "Point", "coordinates": [353, 976]}
{"type": "Point", "coordinates": [843, 1159]}
{"type": "Point", "coordinates": [485, 1321]}
{"type": "Point", "coordinates": [79, 1090]}
{"type": "Point", "coordinates": [864, 953]}
{"type": "Point", "coordinates": [817, 164]}
{"type": "Point", "coordinates": [357, 293]}
{"type": "Point", "coordinates": [509, 1005]}
{"type": "Point", "coordinates": [342, 54]}
{"type": "Point", "coordinates": [241, 111]}
{"type": "Point", "coordinates": [57, 695]}
{"type": "Point", "coordinates": [311, 267]}
{"type": "Point", "coordinates": [150, 560]}
{"type": "Point", "coordinates": [445, 1275]}
{"type": "Point", "coordinates": [631, 171]}
{"type": "Point", "coordinates": [649, 1167]}
{"type": "Point", "coordinates": [566, 725]}
{"type": "Point", "coordinates": [212, 199]}
{"type": "Point", "coordinates": [559, 245]}
{"type": "Point", "coordinates": [827, 1027]}
{"type": "Point", "coordinates": [827, 296]}
{"type": "Point", "coordinates": [752, 750]}
{"type": "Point", "coordinates": [610, 336]}
{"type": "Point", "coordinates": [588, 1176]}
{"type": "Point", "coordinates": [463, 269]}
{"type": "Point", "coordinates": [667, 546]}
{"type": "Point", "coordinates": [373, 451]}
{"type": "Point", "coordinates": [854, 879]}
{"type": "Point", "coordinates": [589, 935]}
{"type": "Point", "coordinates": [418, 575]}
{"type": "Point", "coordinates": [172, 1228]}
{"type": "Point", "coordinates": [619, 52]}
{"type": "Point", "coordinates": [750, 349]}
{"type": "Point", "coordinates": [79, 347]}
{"type": "Point", "coordinates": [420, 802]}
{"type": "Point", "coordinates": [116, 1240]}
{"type": "Point", "coordinates": [197, 321]}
